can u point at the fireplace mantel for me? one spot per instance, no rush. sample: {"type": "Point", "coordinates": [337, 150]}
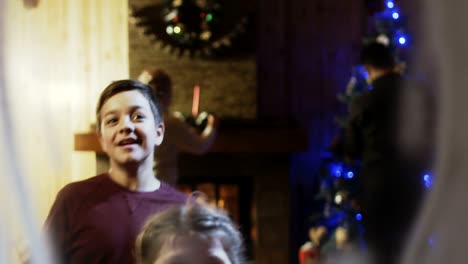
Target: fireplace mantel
{"type": "Point", "coordinates": [231, 140]}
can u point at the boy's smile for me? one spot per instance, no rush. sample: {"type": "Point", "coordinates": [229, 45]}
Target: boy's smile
{"type": "Point", "coordinates": [128, 142]}
{"type": "Point", "coordinates": [129, 132]}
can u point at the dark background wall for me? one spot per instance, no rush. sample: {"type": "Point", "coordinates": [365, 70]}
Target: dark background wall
{"type": "Point", "coordinates": [305, 53]}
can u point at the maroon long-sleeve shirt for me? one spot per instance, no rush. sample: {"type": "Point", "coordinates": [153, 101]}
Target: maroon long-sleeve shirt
{"type": "Point", "coordinates": [97, 221]}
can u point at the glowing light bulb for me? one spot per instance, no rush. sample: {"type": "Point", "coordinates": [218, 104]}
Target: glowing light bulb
{"type": "Point", "coordinates": [350, 175]}
{"type": "Point", "coordinates": [169, 30]}
{"type": "Point", "coordinates": [177, 29]}
{"type": "Point", "coordinates": [359, 217]}
{"type": "Point", "coordinates": [205, 35]}
{"type": "Point", "coordinates": [390, 4]}
{"type": "Point", "coordinates": [402, 40]}
{"type": "Point", "coordinates": [382, 38]}
{"type": "Point", "coordinates": [338, 199]}
{"type": "Point", "coordinates": [395, 15]}
{"type": "Point", "coordinates": [336, 169]}
{"type": "Point", "coordinates": [427, 181]}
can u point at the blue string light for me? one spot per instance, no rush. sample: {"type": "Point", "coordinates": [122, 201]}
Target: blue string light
{"type": "Point", "coordinates": [430, 241]}
{"type": "Point", "coordinates": [349, 175]}
{"type": "Point", "coordinates": [391, 12]}
{"type": "Point", "coordinates": [358, 216]}
{"type": "Point", "coordinates": [336, 169]}
{"type": "Point", "coordinates": [402, 40]}
{"type": "Point", "coordinates": [427, 178]}
{"type": "Point", "coordinates": [362, 72]}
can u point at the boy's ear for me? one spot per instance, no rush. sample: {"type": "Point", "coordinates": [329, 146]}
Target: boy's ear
{"type": "Point", "coordinates": [160, 133]}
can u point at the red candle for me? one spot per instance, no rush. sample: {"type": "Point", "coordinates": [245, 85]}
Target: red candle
{"type": "Point", "coordinates": [196, 100]}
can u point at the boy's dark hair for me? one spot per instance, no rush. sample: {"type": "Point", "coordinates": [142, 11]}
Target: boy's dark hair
{"type": "Point", "coordinates": [377, 55]}
{"type": "Point", "coordinates": [123, 86]}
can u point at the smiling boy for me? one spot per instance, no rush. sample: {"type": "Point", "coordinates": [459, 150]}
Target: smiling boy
{"type": "Point", "coordinates": [97, 220]}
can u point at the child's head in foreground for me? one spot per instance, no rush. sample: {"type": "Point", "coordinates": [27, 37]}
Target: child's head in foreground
{"type": "Point", "coordinates": [189, 234]}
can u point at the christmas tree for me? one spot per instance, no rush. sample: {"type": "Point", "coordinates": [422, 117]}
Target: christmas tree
{"type": "Point", "coordinates": [337, 224]}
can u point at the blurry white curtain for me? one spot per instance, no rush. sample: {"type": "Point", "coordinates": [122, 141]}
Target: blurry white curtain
{"type": "Point", "coordinates": [55, 59]}
{"type": "Point", "coordinates": [441, 234]}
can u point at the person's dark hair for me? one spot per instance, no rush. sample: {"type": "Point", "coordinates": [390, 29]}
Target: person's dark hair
{"type": "Point", "coordinates": [377, 55]}
{"type": "Point", "coordinates": [161, 83]}
{"type": "Point", "coordinates": [123, 86]}
{"type": "Point", "coordinates": [193, 219]}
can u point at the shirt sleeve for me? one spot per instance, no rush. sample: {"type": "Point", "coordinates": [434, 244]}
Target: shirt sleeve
{"type": "Point", "coordinates": [56, 226]}
{"type": "Point", "coordinates": [353, 143]}
{"type": "Point", "coordinates": [187, 139]}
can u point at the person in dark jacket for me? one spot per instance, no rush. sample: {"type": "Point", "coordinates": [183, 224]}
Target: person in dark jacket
{"type": "Point", "coordinates": [390, 183]}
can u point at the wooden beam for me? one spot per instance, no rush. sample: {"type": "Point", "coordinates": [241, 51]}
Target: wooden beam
{"type": "Point", "coordinates": [231, 140]}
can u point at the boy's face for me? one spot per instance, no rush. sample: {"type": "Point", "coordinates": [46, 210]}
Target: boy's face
{"type": "Point", "coordinates": [192, 249]}
{"type": "Point", "coordinates": [128, 130]}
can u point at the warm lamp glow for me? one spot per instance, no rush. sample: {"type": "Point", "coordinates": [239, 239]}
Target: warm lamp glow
{"type": "Point", "coordinates": [53, 71]}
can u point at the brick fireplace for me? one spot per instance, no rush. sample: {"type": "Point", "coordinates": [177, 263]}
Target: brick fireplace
{"type": "Point", "coordinates": [263, 196]}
